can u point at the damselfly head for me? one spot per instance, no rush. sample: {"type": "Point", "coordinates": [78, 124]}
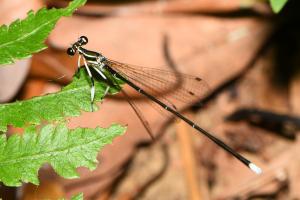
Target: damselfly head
{"type": "Point", "coordinates": [83, 40]}
{"type": "Point", "coordinates": [71, 51]}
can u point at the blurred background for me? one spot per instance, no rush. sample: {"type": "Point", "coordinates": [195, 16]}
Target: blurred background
{"type": "Point", "coordinates": [250, 59]}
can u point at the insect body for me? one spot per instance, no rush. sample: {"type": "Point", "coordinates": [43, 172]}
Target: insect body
{"type": "Point", "coordinates": [147, 81]}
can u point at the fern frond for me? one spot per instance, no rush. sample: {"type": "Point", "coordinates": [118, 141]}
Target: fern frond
{"type": "Point", "coordinates": [69, 102]}
{"type": "Point", "coordinates": [24, 37]}
{"type": "Point", "coordinates": [64, 149]}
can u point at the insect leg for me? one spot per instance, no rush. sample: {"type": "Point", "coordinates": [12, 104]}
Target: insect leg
{"type": "Point", "coordinates": [78, 66]}
{"type": "Point", "coordinates": [92, 81]}
{"type": "Point", "coordinates": [103, 76]}
{"type": "Point", "coordinates": [106, 91]}
{"type": "Point", "coordinates": [99, 72]}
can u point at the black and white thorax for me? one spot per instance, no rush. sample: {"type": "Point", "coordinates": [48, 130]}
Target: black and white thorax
{"type": "Point", "coordinates": [92, 59]}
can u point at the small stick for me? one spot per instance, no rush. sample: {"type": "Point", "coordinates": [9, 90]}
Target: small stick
{"type": "Point", "coordinates": [188, 158]}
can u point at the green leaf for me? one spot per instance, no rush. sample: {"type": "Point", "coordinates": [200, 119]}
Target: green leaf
{"type": "Point", "coordinates": [24, 37]}
{"type": "Point", "coordinates": [277, 5]}
{"type": "Point", "coordinates": [69, 102]}
{"type": "Point", "coordinates": [64, 149]}
{"type": "Point", "coordinates": [77, 197]}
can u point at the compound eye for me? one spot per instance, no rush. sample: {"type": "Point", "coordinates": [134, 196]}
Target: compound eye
{"type": "Point", "coordinates": [71, 51]}
{"type": "Point", "coordinates": [83, 40]}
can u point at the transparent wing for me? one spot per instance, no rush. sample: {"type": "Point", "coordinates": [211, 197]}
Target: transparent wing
{"type": "Point", "coordinates": [139, 115]}
{"type": "Point", "coordinates": [172, 88]}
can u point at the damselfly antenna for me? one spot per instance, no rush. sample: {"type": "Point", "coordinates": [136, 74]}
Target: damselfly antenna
{"type": "Point", "coordinates": [148, 82]}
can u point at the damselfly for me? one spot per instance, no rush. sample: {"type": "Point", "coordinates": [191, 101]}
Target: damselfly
{"type": "Point", "coordinates": [137, 77]}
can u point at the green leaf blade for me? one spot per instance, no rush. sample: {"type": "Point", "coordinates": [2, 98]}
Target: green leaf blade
{"type": "Point", "coordinates": [65, 150]}
{"type": "Point", "coordinates": [277, 5]}
{"type": "Point", "coordinates": [25, 37]}
{"type": "Point", "coordinates": [69, 102]}
{"type": "Point", "coordinates": [77, 197]}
